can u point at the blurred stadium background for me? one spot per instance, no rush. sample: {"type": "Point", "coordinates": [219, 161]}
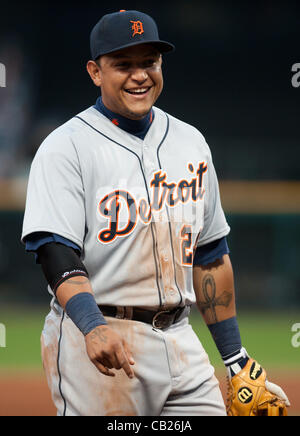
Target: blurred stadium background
{"type": "Point", "coordinates": [231, 78]}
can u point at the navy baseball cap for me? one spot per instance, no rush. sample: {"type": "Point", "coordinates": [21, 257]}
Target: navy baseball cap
{"type": "Point", "coordinates": [125, 29]}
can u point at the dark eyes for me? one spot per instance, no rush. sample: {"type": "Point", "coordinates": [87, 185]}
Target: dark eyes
{"type": "Point", "coordinates": [149, 62]}
{"type": "Point", "coordinates": [126, 65]}
{"type": "Point", "coordinates": [122, 65]}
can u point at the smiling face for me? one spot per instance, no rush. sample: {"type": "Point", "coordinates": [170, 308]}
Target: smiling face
{"type": "Point", "coordinates": [130, 79]}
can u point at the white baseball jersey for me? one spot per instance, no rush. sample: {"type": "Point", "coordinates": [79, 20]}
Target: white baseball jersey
{"type": "Point", "coordinates": [136, 208]}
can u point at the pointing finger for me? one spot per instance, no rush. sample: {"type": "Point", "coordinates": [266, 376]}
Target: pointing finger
{"type": "Point", "coordinates": [124, 363]}
{"type": "Point", "coordinates": [128, 353]}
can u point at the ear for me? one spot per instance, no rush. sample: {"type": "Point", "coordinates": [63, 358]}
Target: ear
{"type": "Point", "coordinates": [95, 72]}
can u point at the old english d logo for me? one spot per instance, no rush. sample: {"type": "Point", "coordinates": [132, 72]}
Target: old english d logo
{"type": "Point", "coordinates": [245, 395]}
{"type": "Point", "coordinates": [137, 27]}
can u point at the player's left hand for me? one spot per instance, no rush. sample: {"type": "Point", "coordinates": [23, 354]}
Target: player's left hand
{"type": "Point", "coordinates": [251, 394]}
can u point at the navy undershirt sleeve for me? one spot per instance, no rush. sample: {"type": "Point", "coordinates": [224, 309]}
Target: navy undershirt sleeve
{"type": "Point", "coordinates": [35, 240]}
{"type": "Point", "coordinates": [209, 253]}
{"type": "Point", "coordinates": [203, 255]}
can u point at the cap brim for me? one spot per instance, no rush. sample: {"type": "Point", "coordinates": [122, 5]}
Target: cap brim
{"type": "Point", "coordinates": [162, 46]}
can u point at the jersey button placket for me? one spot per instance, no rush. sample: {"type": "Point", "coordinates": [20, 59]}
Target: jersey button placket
{"type": "Point", "coordinates": [149, 169]}
{"type": "Point", "coordinates": [148, 160]}
{"type": "Point", "coordinates": [165, 254]}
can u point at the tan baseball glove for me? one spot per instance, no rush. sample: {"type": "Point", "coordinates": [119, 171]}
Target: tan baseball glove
{"type": "Point", "coordinates": [250, 394]}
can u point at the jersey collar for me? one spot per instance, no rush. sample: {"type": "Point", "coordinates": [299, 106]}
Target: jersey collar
{"type": "Point", "coordinates": [137, 128]}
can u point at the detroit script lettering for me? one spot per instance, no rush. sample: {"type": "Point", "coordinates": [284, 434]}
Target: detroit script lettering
{"type": "Point", "coordinates": [163, 193]}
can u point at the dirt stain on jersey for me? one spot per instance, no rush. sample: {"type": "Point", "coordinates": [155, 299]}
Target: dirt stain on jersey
{"type": "Point", "coordinates": [180, 357]}
{"type": "Point", "coordinates": [49, 351]}
{"type": "Point", "coordinates": [49, 359]}
{"type": "Point", "coordinates": [49, 348]}
{"type": "Point", "coordinates": [141, 266]}
{"type": "Point", "coordinates": [118, 393]}
{"type": "Point", "coordinates": [180, 273]}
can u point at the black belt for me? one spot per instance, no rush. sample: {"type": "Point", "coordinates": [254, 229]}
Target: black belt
{"type": "Point", "coordinates": [160, 320]}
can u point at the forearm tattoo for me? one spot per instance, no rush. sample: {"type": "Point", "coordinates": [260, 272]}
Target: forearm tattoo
{"type": "Point", "coordinates": [211, 301]}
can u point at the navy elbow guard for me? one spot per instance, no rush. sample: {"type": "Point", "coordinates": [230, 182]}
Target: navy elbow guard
{"type": "Point", "coordinates": [59, 263]}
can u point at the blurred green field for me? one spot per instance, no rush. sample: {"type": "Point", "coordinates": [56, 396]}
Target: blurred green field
{"type": "Point", "coordinates": [267, 337]}
{"type": "Point", "coordinates": [23, 330]}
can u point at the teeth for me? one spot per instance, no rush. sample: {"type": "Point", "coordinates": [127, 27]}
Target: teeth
{"type": "Point", "coordinates": [137, 91]}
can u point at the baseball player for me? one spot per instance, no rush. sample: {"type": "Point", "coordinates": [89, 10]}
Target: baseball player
{"type": "Point", "coordinates": [124, 215]}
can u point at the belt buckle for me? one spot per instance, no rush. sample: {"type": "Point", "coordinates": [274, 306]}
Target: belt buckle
{"type": "Point", "coordinates": [164, 322]}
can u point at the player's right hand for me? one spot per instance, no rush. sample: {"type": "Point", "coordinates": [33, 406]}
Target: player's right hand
{"type": "Point", "coordinates": [107, 350]}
